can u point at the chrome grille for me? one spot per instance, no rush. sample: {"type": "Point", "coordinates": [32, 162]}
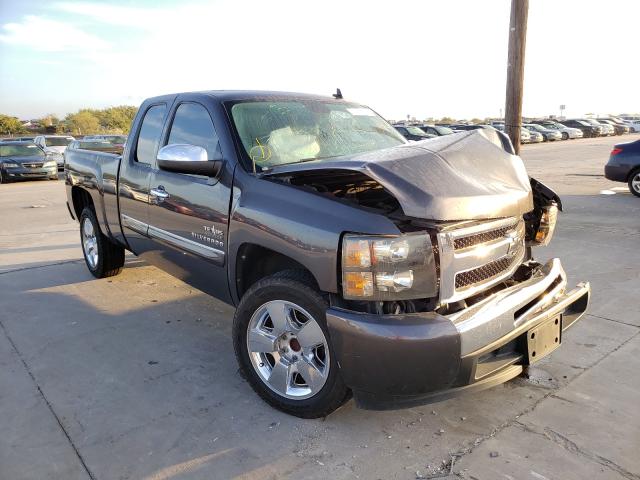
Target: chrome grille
{"type": "Point", "coordinates": [32, 165]}
{"type": "Point", "coordinates": [474, 258]}
{"type": "Point", "coordinates": [483, 273]}
{"type": "Point", "coordinates": [484, 237]}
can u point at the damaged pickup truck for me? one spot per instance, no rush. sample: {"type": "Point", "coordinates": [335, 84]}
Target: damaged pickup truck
{"type": "Point", "coordinates": [360, 264]}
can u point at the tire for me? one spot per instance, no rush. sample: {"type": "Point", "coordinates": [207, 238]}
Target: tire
{"type": "Point", "coordinates": [2, 179]}
{"type": "Point", "coordinates": [565, 136]}
{"type": "Point", "coordinates": [634, 182]}
{"type": "Point", "coordinates": [103, 257]}
{"type": "Point", "coordinates": [281, 347]}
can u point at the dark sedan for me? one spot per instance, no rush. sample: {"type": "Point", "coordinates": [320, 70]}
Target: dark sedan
{"type": "Point", "coordinates": [21, 160]}
{"type": "Point", "coordinates": [436, 130]}
{"type": "Point", "coordinates": [619, 128]}
{"type": "Point", "coordinates": [624, 165]}
{"type": "Point", "coordinates": [411, 132]}
{"type": "Point", "coordinates": [588, 130]}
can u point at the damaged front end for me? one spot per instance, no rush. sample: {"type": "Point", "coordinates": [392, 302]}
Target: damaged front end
{"type": "Point", "coordinates": [478, 213]}
{"type": "Point", "coordinates": [454, 301]}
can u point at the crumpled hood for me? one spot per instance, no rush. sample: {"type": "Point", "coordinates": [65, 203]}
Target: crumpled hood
{"type": "Point", "coordinates": [463, 176]}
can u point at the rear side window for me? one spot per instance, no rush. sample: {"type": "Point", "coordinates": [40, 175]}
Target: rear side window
{"type": "Point", "coordinates": [149, 137]}
{"type": "Point", "coordinates": [192, 125]}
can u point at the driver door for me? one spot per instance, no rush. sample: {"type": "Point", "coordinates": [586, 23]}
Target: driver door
{"type": "Point", "coordinates": [189, 214]}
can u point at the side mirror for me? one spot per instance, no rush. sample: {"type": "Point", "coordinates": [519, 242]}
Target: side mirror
{"type": "Point", "coordinates": [191, 159]}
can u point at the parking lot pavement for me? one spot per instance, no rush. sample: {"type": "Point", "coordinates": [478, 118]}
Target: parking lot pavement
{"type": "Point", "coordinates": [134, 377]}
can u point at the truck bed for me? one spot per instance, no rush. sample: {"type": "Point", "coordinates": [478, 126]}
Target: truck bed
{"type": "Point", "coordinates": [97, 173]}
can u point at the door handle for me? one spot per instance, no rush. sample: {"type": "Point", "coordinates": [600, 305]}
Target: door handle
{"type": "Point", "coordinates": [159, 192]}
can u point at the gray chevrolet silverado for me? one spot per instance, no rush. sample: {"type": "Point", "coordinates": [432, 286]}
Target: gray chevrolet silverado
{"type": "Point", "coordinates": [359, 264]}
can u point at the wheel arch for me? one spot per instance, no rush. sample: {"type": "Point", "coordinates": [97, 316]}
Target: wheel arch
{"type": "Point", "coordinates": [254, 262]}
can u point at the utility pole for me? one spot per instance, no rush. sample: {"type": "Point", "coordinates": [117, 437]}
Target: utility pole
{"type": "Point", "coordinates": [515, 70]}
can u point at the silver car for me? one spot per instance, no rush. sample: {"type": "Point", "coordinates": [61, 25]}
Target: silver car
{"type": "Point", "coordinates": [566, 132]}
{"type": "Point", "coordinates": [548, 135]}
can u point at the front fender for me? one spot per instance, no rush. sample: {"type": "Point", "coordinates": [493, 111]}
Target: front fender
{"type": "Point", "coordinates": [299, 224]}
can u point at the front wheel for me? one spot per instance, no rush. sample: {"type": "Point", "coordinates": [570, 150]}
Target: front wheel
{"type": "Point", "coordinates": [282, 345]}
{"type": "Point", "coordinates": [103, 257]}
{"type": "Point", "coordinates": [565, 136]}
{"type": "Point", "coordinates": [634, 182]}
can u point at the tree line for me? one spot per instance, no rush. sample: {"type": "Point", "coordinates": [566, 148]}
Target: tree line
{"type": "Point", "coordinates": [86, 121]}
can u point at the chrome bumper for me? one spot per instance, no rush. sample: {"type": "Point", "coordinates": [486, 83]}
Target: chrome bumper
{"type": "Point", "coordinates": [519, 308]}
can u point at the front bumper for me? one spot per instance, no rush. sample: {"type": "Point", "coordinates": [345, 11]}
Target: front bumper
{"type": "Point", "coordinates": [392, 361]}
{"type": "Point", "coordinates": [23, 173]}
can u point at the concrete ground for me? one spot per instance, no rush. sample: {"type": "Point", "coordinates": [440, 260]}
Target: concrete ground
{"type": "Point", "coordinates": [134, 377]}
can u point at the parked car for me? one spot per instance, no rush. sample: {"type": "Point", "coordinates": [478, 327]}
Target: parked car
{"type": "Point", "coordinates": [54, 146]}
{"type": "Point", "coordinates": [116, 140]}
{"type": "Point", "coordinates": [411, 132]}
{"type": "Point", "coordinates": [548, 134]}
{"type": "Point", "coordinates": [339, 244]}
{"type": "Point", "coordinates": [634, 125]}
{"type": "Point", "coordinates": [534, 136]}
{"type": "Point", "coordinates": [566, 132]}
{"type": "Point", "coordinates": [607, 130]}
{"type": "Point", "coordinates": [619, 128]}
{"type": "Point", "coordinates": [435, 130]}
{"type": "Point", "coordinates": [588, 130]}
{"type": "Point", "coordinates": [18, 139]}
{"type": "Point", "coordinates": [22, 160]}
{"type": "Point", "coordinates": [96, 145]}
{"type": "Point", "coordinates": [624, 165]}
{"type": "Point", "coordinates": [465, 126]}
{"type": "Point", "coordinates": [526, 136]}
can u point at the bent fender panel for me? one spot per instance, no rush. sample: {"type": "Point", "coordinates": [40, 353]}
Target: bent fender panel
{"type": "Point", "coordinates": [299, 224]}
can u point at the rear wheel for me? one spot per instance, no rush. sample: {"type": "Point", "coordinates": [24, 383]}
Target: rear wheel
{"type": "Point", "coordinates": [282, 345]}
{"type": "Point", "coordinates": [103, 257]}
{"type": "Point", "coordinates": [634, 182]}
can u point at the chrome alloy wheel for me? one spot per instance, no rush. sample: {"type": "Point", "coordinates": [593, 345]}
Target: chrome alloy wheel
{"type": "Point", "coordinates": [288, 349]}
{"type": "Point", "coordinates": [635, 182]}
{"type": "Point", "coordinates": [89, 243]}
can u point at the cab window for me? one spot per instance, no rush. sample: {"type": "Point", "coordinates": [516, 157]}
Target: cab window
{"type": "Point", "coordinates": [192, 125]}
{"type": "Point", "coordinates": [149, 137]}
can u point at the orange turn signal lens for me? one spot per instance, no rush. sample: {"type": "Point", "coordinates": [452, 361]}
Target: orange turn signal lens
{"type": "Point", "coordinates": [356, 254]}
{"type": "Point", "coordinates": [357, 284]}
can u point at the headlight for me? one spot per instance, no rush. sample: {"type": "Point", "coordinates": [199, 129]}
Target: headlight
{"type": "Point", "coordinates": [10, 165]}
{"type": "Point", "coordinates": [50, 163]}
{"type": "Point", "coordinates": [547, 226]}
{"type": "Point", "coordinates": [388, 268]}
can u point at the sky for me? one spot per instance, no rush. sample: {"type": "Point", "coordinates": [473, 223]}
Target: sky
{"type": "Point", "coordinates": [419, 58]}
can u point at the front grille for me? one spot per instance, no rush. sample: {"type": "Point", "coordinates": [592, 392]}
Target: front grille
{"type": "Point", "coordinates": [32, 165]}
{"type": "Point", "coordinates": [483, 237]}
{"type": "Point", "coordinates": [483, 273]}
{"type": "Point", "coordinates": [474, 258]}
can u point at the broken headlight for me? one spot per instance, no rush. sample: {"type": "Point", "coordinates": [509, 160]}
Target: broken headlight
{"type": "Point", "coordinates": [546, 227]}
{"type": "Point", "coordinates": [388, 268]}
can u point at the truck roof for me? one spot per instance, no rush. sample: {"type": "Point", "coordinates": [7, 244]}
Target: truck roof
{"type": "Point", "coordinates": [235, 95]}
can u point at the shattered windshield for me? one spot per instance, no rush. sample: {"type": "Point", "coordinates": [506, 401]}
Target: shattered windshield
{"type": "Point", "coordinates": [283, 132]}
